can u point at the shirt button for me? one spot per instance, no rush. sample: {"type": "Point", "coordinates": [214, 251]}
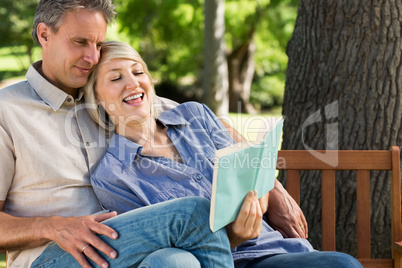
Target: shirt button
{"type": "Point", "coordinates": [198, 176]}
{"type": "Point", "coordinates": [171, 198]}
{"type": "Point", "coordinates": [87, 144]}
{"type": "Point", "coordinates": [69, 99]}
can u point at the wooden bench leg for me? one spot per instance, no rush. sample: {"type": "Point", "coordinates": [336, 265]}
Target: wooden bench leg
{"type": "Point", "coordinates": [397, 251]}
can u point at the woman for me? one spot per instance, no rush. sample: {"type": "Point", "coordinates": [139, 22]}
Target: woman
{"type": "Point", "coordinates": [154, 157]}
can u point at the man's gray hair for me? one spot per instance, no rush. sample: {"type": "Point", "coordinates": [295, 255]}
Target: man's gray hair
{"type": "Point", "coordinates": [52, 12]}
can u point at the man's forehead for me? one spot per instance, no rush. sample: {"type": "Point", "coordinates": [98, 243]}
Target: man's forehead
{"type": "Point", "coordinates": [84, 24]}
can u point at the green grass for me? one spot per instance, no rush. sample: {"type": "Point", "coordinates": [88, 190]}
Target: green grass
{"type": "Point", "coordinates": [2, 260]}
{"type": "Point", "coordinates": [14, 62]}
{"type": "Point", "coordinates": [15, 58]}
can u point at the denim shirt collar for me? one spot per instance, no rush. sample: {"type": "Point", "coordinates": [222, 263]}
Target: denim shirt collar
{"type": "Point", "coordinates": [170, 118]}
{"type": "Point", "coordinates": [126, 151]}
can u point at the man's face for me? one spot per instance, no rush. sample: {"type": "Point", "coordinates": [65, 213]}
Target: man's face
{"type": "Point", "coordinates": [71, 53]}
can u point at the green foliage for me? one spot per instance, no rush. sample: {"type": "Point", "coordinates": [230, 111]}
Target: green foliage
{"type": "Point", "coordinates": [166, 34]}
{"type": "Point", "coordinates": [16, 18]}
{"type": "Point", "coordinates": [271, 60]}
{"type": "Point", "coordinates": [169, 35]}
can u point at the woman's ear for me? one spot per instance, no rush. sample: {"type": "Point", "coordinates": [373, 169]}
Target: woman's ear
{"type": "Point", "coordinates": [96, 99]}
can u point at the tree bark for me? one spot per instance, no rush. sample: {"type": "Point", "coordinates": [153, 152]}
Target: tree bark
{"type": "Point", "coordinates": [215, 77]}
{"type": "Point", "coordinates": [241, 71]}
{"type": "Point", "coordinates": [343, 91]}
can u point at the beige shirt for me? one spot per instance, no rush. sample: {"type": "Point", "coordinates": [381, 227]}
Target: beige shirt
{"type": "Point", "coordinates": [48, 144]}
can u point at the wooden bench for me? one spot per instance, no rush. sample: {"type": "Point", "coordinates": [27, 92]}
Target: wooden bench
{"type": "Point", "coordinates": [362, 162]}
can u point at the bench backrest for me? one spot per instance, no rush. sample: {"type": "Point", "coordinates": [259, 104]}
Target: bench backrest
{"type": "Point", "coordinates": [293, 161]}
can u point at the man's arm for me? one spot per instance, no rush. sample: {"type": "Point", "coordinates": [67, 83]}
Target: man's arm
{"type": "Point", "coordinates": [71, 234]}
{"type": "Point", "coordinates": [284, 215]}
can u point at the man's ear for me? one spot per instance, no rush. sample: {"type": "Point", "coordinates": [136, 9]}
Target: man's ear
{"type": "Point", "coordinates": [43, 32]}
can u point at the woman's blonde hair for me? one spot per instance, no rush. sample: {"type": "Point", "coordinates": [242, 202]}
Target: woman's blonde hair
{"type": "Point", "coordinates": [114, 50]}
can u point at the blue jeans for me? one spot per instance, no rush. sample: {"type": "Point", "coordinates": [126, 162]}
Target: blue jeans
{"type": "Point", "coordinates": [170, 257]}
{"type": "Point", "coordinates": [181, 223]}
{"type": "Point", "coordinates": [319, 259]}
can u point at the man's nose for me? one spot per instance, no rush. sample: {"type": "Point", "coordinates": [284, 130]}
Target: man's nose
{"type": "Point", "coordinates": [92, 54]}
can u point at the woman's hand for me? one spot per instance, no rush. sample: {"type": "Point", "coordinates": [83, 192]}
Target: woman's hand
{"type": "Point", "coordinates": [264, 203]}
{"type": "Point", "coordinates": [248, 222]}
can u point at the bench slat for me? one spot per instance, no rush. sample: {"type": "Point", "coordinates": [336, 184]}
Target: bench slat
{"type": "Point", "coordinates": [328, 210]}
{"type": "Point", "coordinates": [396, 195]}
{"type": "Point", "coordinates": [293, 184]}
{"type": "Point", "coordinates": [363, 214]}
{"type": "Point", "coordinates": [346, 160]}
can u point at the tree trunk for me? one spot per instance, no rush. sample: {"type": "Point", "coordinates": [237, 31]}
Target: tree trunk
{"type": "Point", "coordinates": [343, 90]}
{"type": "Point", "coordinates": [29, 53]}
{"type": "Point", "coordinates": [241, 72]}
{"type": "Point", "coordinates": [215, 77]}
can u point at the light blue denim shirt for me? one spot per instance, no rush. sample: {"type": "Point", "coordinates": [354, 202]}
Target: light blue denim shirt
{"type": "Point", "coordinates": [126, 179]}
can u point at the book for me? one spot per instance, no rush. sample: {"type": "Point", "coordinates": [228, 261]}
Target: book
{"type": "Point", "coordinates": [243, 167]}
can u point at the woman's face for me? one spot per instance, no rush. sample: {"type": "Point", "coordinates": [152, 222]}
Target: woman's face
{"type": "Point", "coordinates": [124, 90]}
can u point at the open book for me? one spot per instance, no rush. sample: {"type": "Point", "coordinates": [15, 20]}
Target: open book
{"type": "Point", "coordinates": [241, 168]}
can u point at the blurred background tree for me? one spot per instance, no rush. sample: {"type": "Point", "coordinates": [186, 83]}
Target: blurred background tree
{"type": "Point", "coordinates": [16, 18]}
{"type": "Point", "coordinates": [170, 34]}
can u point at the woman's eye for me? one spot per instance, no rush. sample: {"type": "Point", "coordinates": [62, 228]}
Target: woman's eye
{"type": "Point", "coordinates": [138, 73]}
{"type": "Point", "coordinates": [116, 79]}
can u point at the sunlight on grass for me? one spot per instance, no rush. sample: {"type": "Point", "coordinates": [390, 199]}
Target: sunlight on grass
{"type": "Point", "coordinates": [15, 58]}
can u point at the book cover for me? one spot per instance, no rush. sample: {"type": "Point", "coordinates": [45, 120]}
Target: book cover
{"type": "Point", "coordinates": [239, 169]}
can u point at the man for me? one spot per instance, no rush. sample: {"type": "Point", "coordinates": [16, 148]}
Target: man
{"type": "Point", "coordinates": [48, 146]}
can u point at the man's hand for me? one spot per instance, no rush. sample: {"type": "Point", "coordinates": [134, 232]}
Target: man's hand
{"type": "Point", "coordinates": [78, 236]}
{"type": "Point", "coordinates": [284, 215]}
{"type": "Point", "coordinates": [248, 222]}
{"type": "Point", "coordinates": [71, 233]}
